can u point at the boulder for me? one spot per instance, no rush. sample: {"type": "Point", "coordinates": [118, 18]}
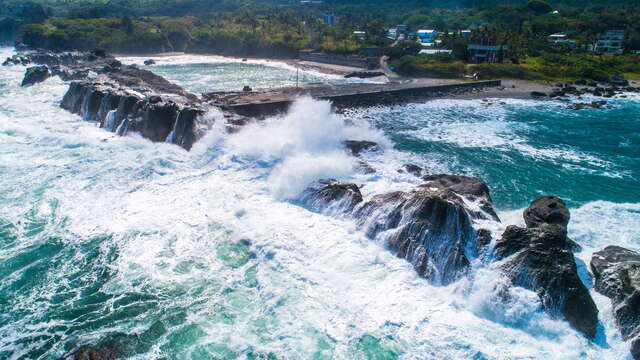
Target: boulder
{"type": "Point", "coordinates": [412, 169]}
{"type": "Point", "coordinates": [539, 258]}
{"type": "Point", "coordinates": [356, 147]}
{"type": "Point", "coordinates": [430, 227]}
{"type": "Point", "coordinates": [331, 196]}
{"type": "Point", "coordinates": [616, 272]}
{"type": "Point", "coordinates": [471, 188]}
{"type": "Point", "coordinates": [149, 62]}
{"type": "Point", "coordinates": [35, 74]}
{"type": "Point", "coordinates": [547, 210]}
{"type": "Point", "coordinates": [538, 94]}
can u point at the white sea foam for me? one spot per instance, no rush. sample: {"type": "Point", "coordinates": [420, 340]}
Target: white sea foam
{"type": "Point", "coordinates": [318, 284]}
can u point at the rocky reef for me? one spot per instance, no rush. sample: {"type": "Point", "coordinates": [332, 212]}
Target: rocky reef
{"type": "Point", "coordinates": [122, 99]}
{"type": "Point", "coordinates": [431, 227]}
{"type": "Point", "coordinates": [539, 258]}
{"type": "Point", "coordinates": [35, 74]}
{"type": "Point", "coordinates": [616, 271]}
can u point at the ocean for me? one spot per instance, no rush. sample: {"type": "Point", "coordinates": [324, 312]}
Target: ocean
{"type": "Point", "coordinates": [210, 254]}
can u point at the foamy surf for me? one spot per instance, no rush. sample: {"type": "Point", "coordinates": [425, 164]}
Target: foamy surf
{"type": "Point", "coordinates": [201, 254]}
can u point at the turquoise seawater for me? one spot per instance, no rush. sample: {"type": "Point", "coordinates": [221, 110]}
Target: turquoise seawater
{"type": "Point", "coordinates": [165, 254]}
{"type": "Point", "coordinates": [202, 74]}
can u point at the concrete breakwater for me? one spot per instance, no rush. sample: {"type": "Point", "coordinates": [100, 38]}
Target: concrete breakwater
{"type": "Point", "coordinates": [346, 96]}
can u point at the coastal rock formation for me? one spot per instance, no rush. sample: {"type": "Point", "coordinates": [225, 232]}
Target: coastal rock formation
{"type": "Point", "coordinates": [122, 98]}
{"type": "Point", "coordinates": [539, 258]}
{"type": "Point", "coordinates": [331, 196]}
{"type": "Point", "coordinates": [412, 169]}
{"type": "Point", "coordinates": [35, 74]}
{"type": "Point", "coordinates": [547, 210]}
{"type": "Point", "coordinates": [616, 271]}
{"type": "Point", "coordinates": [357, 147]}
{"type": "Point", "coordinates": [431, 227]}
{"type": "Point", "coordinates": [471, 188]}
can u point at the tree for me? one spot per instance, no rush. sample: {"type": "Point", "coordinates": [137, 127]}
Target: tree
{"type": "Point", "coordinates": [539, 7]}
{"type": "Point", "coordinates": [127, 24]}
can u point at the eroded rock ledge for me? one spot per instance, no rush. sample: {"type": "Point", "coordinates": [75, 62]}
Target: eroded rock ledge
{"type": "Point", "coordinates": [121, 98]}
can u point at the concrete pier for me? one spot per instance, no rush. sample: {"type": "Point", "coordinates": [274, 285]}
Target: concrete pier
{"type": "Point", "coordinates": [269, 102]}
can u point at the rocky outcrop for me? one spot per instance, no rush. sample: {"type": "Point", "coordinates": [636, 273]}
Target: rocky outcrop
{"type": "Point", "coordinates": [471, 188]}
{"type": "Point", "coordinates": [431, 227]}
{"type": "Point", "coordinates": [357, 147]}
{"type": "Point", "coordinates": [35, 74]}
{"type": "Point", "coordinates": [616, 271]}
{"type": "Point", "coordinates": [121, 98]}
{"type": "Point", "coordinates": [547, 210]}
{"type": "Point", "coordinates": [412, 169]}
{"type": "Point", "coordinates": [121, 111]}
{"type": "Point", "coordinates": [539, 258]}
{"type": "Point", "coordinates": [330, 196]}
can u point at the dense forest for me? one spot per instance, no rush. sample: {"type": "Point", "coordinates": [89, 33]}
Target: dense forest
{"type": "Point", "coordinates": [280, 28]}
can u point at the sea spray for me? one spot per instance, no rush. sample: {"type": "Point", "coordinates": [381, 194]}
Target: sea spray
{"type": "Point", "coordinates": [188, 254]}
{"type": "Point", "coordinates": [304, 145]}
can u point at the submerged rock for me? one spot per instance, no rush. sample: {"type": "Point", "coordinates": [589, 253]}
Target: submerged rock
{"type": "Point", "coordinates": [35, 74]}
{"type": "Point", "coordinates": [107, 353]}
{"type": "Point", "coordinates": [616, 271]}
{"type": "Point", "coordinates": [539, 258]}
{"type": "Point", "coordinates": [328, 195]}
{"type": "Point", "coordinates": [412, 169]}
{"type": "Point", "coordinates": [356, 147]}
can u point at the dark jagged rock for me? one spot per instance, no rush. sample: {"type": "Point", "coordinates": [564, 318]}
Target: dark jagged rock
{"type": "Point", "coordinates": [483, 239]}
{"type": "Point", "coordinates": [547, 210]}
{"type": "Point", "coordinates": [472, 188]}
{"type": "Point", "coordinates": [35, 74]}
{"type": "Point", "coordinates": [107, 353]}
{"type": "Point", "coordinates": [184, 132]}
{"type": "Point", "coordinates": [538, 94]}
{"type": "Point", "coordinates": [123, 99]}
{"type": "Point", "coordinates": [431, 228]}
{"type": "Point", "coordinates": [593, 105]}
{"type": "Point", "coordinates": [616, 271]}
{"type": "Point", "coordinates": [331, 196]}
{"type": "Point", "coordinates": [412, 169]}
{"type": "Point", "coordinates": [149, 62]}
{"type": "Point", "coordinates": [157, 120]}
{"type": "Point", "coordinates": [539, 258]}
{"type": "Point", "coordinates": [356, 147]}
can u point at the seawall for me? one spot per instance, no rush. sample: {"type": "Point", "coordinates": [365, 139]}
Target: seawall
{"type": "Point", "coordinates": [364, 98]}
